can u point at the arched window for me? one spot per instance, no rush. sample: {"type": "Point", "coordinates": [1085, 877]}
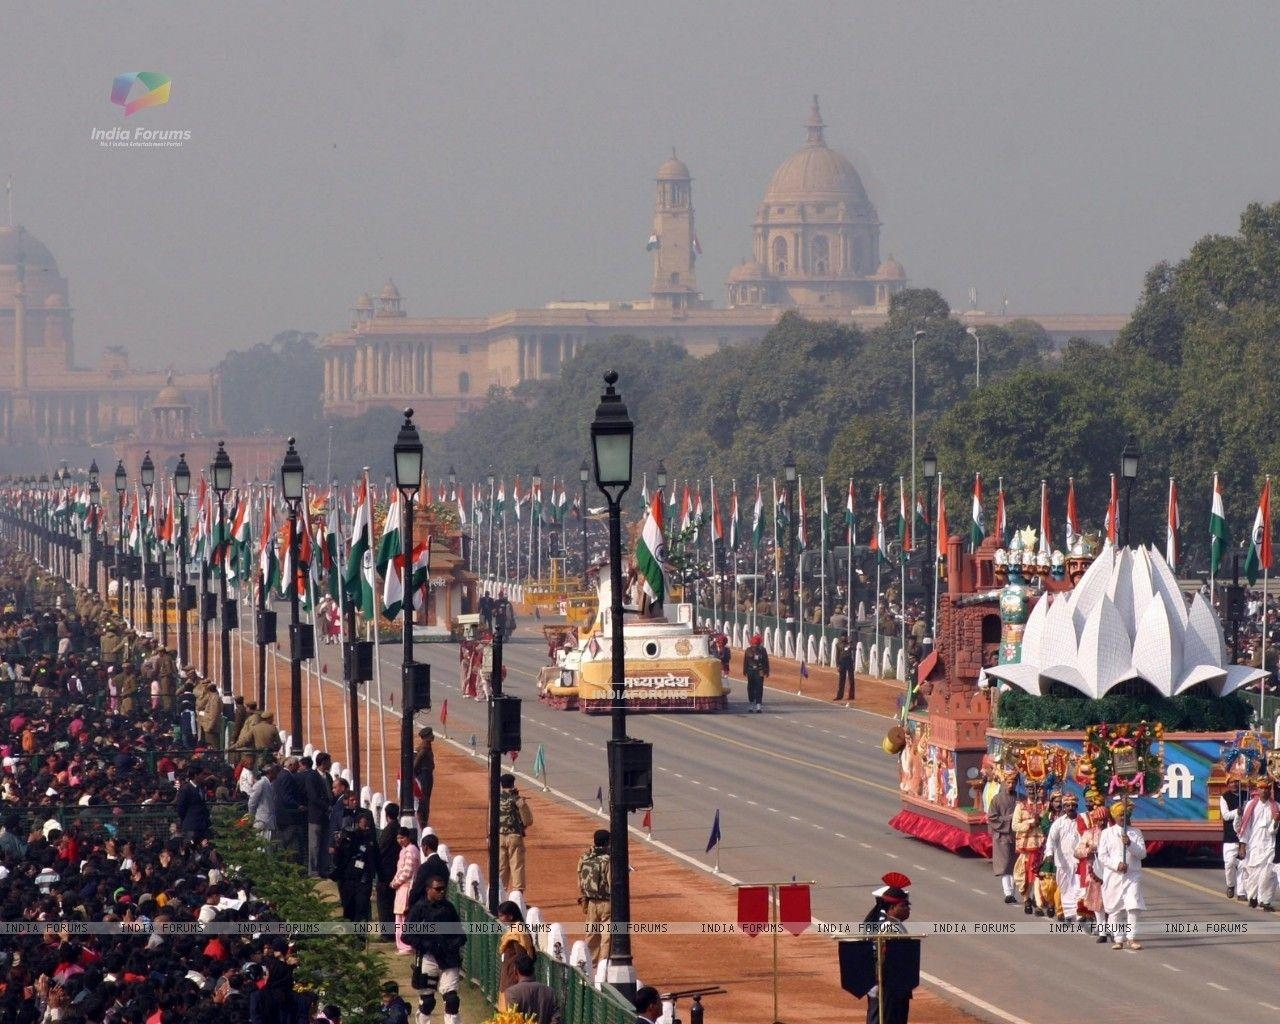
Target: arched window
{"type": "Point", "coordinates": [464, 382]}
{"type": "Point", "coordinates": [821, 254]}
{"type": "Point", "coordinates": [779, 255]}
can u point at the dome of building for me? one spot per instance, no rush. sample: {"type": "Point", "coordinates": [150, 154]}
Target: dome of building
{"type": "Point", "coordinates": [747, 270]}
{"type": "Point", "coordinates": [815, 172]}
{"type": "Point", "coordinates": [55, 300]}
{"type": "Point", "coordinates": [365, 301]}
{"type": "Point", "coordinates": [891, 270]}
{"type": "Point", "coordinates": [674, 169]}
{"type": "Point", "coordinates": [170, 396]}
{"type": "Point", "coordinates": [389, 291]}
{"type": "Point", "coordinates": [34, 252]}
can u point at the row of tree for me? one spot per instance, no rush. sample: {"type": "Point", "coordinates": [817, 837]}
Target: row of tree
{"type": "Point", "coordinates": [1193, 376]}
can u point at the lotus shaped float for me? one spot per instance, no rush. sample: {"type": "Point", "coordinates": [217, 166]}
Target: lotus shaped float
{"type": "Point", "coordinates": [1125, 620]}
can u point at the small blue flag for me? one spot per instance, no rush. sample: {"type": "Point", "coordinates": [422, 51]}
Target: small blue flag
{"type": "Point", "coordinates": [540, 762]}
{"type": "Point", "coordinates": [599, 794]}
{"type": "Point", "coordinates": [804, 670]}
{"type": "Point", "coordinates": [714, 840]}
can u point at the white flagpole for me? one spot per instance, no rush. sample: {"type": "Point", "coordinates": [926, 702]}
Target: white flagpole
{"type": "Point", "coordinates": [715, 615]}
{"type": "Point", "coordinates": [382, 725]}
{"type": "Point", "coordinates": [799, 580]}
{"type": "Point", "coordinates": [822, 536]}
{"type": "Point", "coordinates": [848, 583]}
{"type": "Point", "coordinates": [515, 496]}
{"type": "Point", "coordinates": [937, 557]}
{"type": "Point", "coordinates": [755, 568]}
{"type": "Point", "coordinates": [777, 552]}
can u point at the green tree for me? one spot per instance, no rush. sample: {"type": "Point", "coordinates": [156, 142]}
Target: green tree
{"type": "Point", "coordinates": [273, 386]}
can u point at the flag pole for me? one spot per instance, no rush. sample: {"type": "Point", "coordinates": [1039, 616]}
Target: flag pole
{"type": "Point", "coordinates": [1266, 569]}
{"type": "Point", "coordinates": [822, 556]}
{"type": "Point", "coordinates": [715, 613]}
{"type": "Point", "coordinates": [937, 557]}
{"type": "Point", "coordinates": [848, 570]}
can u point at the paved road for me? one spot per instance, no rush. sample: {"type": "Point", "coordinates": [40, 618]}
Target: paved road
{"type": "Point", "coordinates": [804, 790]}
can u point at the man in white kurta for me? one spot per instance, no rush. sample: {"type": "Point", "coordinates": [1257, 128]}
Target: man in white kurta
{"type": "Point", "coordinates": [1060, 847]}
{"type": "Point", "coordinates": [1121, 851]}
{"type": "Point", "coordinates": [1257, 829]}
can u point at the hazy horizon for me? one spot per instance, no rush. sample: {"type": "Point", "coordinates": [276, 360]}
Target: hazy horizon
{"type": "Point", "coordinates": [487, 158]}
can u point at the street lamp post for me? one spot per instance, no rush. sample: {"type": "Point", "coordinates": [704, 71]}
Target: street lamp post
{"type": "Point", "coordinates": [612, 434]}
{"type": "Point", "coordinates": [148, 476]}
{"type": "Point", "coordinates": [222, 470]}
{"type": "Point", "coordinates": [930, 464]}
{"type": "Point", "coordinates": [122, 480]}
{"type": "Point", "coordinates": [1129, 459]}
{"type": "Point", "coordinates": [789, 474]}
{"type": "Point", "coordinates": [977, 372]}
{"type": "Point", "coordinates": [407, 453]}
{"type": "Point", "coordinates": [584, 473]}
{"type": "Point", "coordinates": [95, 502]}
{"type": "Point", "coordinates": [182, 488]}
{"type": "Point", "coordinates": [291, 487]}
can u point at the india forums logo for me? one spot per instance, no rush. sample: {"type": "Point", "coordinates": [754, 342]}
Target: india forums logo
{"type": "Point", "coordinates": [138, 90]}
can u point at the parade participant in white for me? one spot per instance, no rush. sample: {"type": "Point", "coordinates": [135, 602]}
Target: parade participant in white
{"type": "Point", "coordinates": [1257, 829]}
{"type": "Point", "coordinates": [1060, 847]}
{"type": "Point", "coordinates": [1121, 851]}
{"type": "Point", "coordinates": [1229, 806]}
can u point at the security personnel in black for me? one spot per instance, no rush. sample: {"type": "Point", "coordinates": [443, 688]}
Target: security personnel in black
{"type": "Point", "coordinates": [434, 929]}
{"type": "Point", "coordinates": [355, 863]}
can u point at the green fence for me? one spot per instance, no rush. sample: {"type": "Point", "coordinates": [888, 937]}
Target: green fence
{"type": "Point", "coordinates": [580, 1001]}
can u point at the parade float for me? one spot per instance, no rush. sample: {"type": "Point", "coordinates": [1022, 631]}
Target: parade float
{"type": "Point", "coordinates": [669, 666]}
{"type": "Point", "coordinates": [1089, 673]}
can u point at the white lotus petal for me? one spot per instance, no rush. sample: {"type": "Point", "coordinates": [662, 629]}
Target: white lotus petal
{"type": "Point", "coordinates": [1156, 657]}
{"type": "Point", "coordinates": [1059, 640]}
{"type": "Point", "coordinates": [1092, 586]}
{"type": "Point", "coordinates": [1033, 633]}
{"type": "Point", "coordinates": [1103, 659]}
{"type": "Point", "coordinates": [1197, 674]}
{"type": "Point", "coordinates": [1024, 677]}
{"type": "Point", "coordinates": [1120, 592]}
{"type": "Point", "coordinates": [1238, 676]}
{"type": "Point", "coordinates": [1204, 644]}
{"type": "Point", "coordinates": [1141, 585]}
{"type": "Point", "coordinates": [1166, 584]}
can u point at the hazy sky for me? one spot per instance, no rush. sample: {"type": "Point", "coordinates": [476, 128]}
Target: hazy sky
{"type": "Point", "coordinates": [495, 155]}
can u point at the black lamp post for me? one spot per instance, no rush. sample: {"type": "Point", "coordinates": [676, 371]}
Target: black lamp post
{"type": "Point", "coordinates": [222, 469]}
{"type": "Point", "coordinates": [930, 463]}
{"type": "Point", "coordinates": [291, 487]}
{"type": "Point", "coordinates": [584, 474]}
{"type": "Point", "coordinates": [1129, 458]}
{"type": "Point", "coordinates": [95, 501]}
{"type": "Point", "coordinates": [407, 453]}
{"type": "Point", "coordinates": [43, 484]}
{"type": "Point", "coordinates": [148, 477]}
{"type": "Point", "coordinates": [535, 529]}
{"type": "Point", "coordinates": [630, 761]}
{"type": "Point", "coordinates": [181, 489]}
{"type": "Point", "coordinates": [122, 480]}
{"type": "Point", "coordinates": [789, 474]}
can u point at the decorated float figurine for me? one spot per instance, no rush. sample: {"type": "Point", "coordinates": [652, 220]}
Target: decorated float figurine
{"type": "Point", "coordinates": [1015, 600]}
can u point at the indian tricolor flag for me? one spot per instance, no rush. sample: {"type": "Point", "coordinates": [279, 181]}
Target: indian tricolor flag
{"type": "Point", "coordinates": [650, 551]}
{"type": "Point", "coordinates": [1171, 533]}
{"type": "Point", "coordinates": [977, 518]}
{"type": "Point", "coordinates": [850, 519]}
{"type": "Point", "coordinates": [1113, 513]}
{"type": "Point", "coordinates": [390, 562]}
{"type": "Point", "coordinates": [268, 561]}
{"type": "Point", "coordinates": [904, 524]}
{"type": "Point", "coordinates": [757, 517]}
{"type": "Point", "coordinates": [1259, 558]}
{"type": "Point", "coordinates": [1217, 528]}
{"type": "Point", "coordinates": [879, 542]}
{"type": "Point", "coordinates": [940, 548]}
{"type": "Point", "coordinates": [1073, 517]}
{"type": "Point", "coordinates": [356, 582]}
{"type": "Point", "coordinates": [1045, 547]}
{"type": "Point", "coordinates": [393, 586]}
{"type": "Point", "coordinates": [802, 518]}
{"type": "Point", "coordinates": [1002, 521]}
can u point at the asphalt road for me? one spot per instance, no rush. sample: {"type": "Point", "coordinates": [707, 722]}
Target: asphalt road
{"type": "Point", "coordinates": [805, 791]}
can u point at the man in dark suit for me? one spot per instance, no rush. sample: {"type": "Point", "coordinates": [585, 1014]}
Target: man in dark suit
{"type": "Point", "coordinates": [388, 855]}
